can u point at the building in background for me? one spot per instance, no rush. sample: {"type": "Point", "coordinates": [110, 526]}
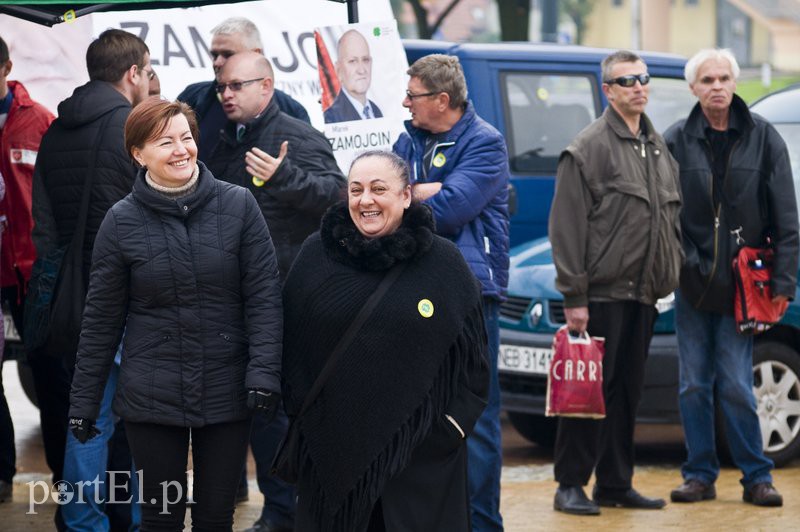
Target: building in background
{"type": "Point", "coordinates": [758, 31]}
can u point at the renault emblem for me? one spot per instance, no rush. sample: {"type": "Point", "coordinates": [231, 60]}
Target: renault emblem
{"type": "Point", "coordinates": [536, 314]}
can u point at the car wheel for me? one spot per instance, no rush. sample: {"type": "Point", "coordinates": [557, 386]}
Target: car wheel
{"type": "Point", "coordinates": [536, 429]}
{"type": "Point", "coordinates": [25, 374]}
{"type": "Point", "coordinates": [776, 384]}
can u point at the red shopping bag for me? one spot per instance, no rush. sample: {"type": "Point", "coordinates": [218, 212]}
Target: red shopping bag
{"type": "Point", "coordinates": [575, 378]}
{"type": "Point", "coordinates": [752, 271]}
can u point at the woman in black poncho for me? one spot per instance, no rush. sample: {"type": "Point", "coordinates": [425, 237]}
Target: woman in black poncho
{"type": "Point", "coordinates": [383, 444]}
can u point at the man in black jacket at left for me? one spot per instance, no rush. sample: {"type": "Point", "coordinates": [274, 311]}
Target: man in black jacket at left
{"type": "Point", "coordinates": [289, 167]}
{"type": "Point", "coordinates": [86, 137]}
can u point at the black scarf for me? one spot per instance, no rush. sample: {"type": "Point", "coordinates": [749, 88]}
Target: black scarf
{"type": "Point", "coordinates": [345, 244]}
{"type": "Point", "coordinates": [399, 373]}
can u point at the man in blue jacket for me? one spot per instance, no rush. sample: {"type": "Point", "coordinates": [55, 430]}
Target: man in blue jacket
{"type": "Point", "coordinates": [231, 36]}
{"type": "Point", "coordinates": [459, 166]}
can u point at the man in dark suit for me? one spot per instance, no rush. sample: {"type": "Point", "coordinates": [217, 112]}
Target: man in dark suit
{"type": "Point", "coordinates": [354, 70]}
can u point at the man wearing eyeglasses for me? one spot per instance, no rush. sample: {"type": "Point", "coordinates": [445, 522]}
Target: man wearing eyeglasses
{"type": "Point", "coordinates": [290, 169]}
{"type": "Point", "coordinates": [459, 166]}
{"type": "Point", "coordinates": [738, 190]}
{"type": "Point", "coordinates": [86, 139]}
{"type": "Point", "coordinates": [616, 247]}
{"type": "Point", "coordinates": [231, 36]}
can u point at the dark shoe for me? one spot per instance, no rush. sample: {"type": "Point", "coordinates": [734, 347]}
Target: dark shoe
{"type": "Point", "coordinates": [693, 490]}
{"type": "Point", "coordinates": [6, 489]}
{"type": "Point", "coordinates": [264, 525]}
{"type": "Point", "coordinates": [626, 499]}
{"type": "Point", "coordinates": [572, 500]}
{"type": "Point", "coordinates": [762, 494]}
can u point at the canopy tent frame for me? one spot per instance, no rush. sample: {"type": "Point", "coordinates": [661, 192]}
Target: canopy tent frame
{"type": "Point", "coordinates": [49, 13]}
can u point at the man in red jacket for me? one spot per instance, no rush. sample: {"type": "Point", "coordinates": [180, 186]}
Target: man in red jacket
{"type": "Point", "coordinates": [22, 124]}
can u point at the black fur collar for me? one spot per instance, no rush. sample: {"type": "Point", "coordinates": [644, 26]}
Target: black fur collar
{"type": "Point", "coordinates": [344, 243]}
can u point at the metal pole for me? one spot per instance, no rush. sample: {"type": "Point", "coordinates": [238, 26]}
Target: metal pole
{"type": "Point", "coordinates": [352, 11]}
{"type": "Point", "coordinates": [636, 25]}
{"type": "Point", "coordinates": [550, 21]}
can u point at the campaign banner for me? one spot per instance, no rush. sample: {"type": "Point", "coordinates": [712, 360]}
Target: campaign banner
{"type": "Point", "coordinates": [51, 61]}
{"type": "Point", "coordinates": [362, 78]}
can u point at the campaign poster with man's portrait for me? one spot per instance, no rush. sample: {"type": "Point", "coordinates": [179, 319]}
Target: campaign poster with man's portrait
{"type": "Point", "coordinates": [362, 71]}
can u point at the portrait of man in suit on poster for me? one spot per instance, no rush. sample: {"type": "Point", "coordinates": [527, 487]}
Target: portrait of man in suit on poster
{"type": "Point", "coordinates": [354, 71]}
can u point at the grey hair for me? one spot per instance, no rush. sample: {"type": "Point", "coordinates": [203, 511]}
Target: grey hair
{"type": "Point", "coordinates": [620, 56]}
{"type": "Point", "coordinates": [697, 60]}
{"type": "Point", "coordinates": [394, 161]}
{"type": "Point", "coordinates": [240, 26]}
{"type": "Point", "coordinates": [442, 73]}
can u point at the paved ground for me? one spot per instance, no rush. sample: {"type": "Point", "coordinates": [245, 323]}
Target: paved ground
{"type": "Point", "coordinates": [527, 486]}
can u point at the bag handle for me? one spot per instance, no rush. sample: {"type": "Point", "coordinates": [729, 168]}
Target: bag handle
{"type": "Point", "coordinates": [348, 336]}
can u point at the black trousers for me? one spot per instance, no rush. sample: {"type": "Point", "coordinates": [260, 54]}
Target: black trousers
{"type": "Point", "coordinates": [160, 452]}
{"type": "Point", "coordinates": [606, 445]}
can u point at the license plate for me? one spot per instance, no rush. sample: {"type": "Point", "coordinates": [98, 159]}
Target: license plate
{"type": "Point", "coordinates": [523, 359]}
{"type": "Point", "coordinates": [9, 329]}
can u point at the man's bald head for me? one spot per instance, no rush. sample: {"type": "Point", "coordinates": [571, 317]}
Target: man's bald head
{"type": "Point", "coordinates": [354, 64]}
{"type": "Point", "coordinates": [250, 64]}
{"type": "Point", "coordinates": [252, 75]}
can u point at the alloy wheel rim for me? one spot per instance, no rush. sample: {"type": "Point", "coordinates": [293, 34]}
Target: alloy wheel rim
{"type": "Point", "coordinates": [777, 391]}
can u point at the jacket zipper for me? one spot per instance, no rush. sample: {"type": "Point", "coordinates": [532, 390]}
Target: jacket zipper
{"type": "Point", "coordinates": [716, 252]}
{"type": "Point", "coordinates": [717, 215]}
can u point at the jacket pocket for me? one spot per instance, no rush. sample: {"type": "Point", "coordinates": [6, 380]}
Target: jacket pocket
{"type": "Point", "coordinates": [443, 440]}
{"type": "Point", "coordinates": [618, 229]}
{"type": "Point", "coordinates": [669, 255]}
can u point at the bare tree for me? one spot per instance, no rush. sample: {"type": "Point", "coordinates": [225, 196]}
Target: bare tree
{"type": "Point", "coordinates": [514, 19]}
{"type": "Point", "coordinates": [578, 11]}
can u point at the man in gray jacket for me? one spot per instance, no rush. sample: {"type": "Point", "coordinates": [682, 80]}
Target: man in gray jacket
{"type": "Point", "coordinates": [616, 247]}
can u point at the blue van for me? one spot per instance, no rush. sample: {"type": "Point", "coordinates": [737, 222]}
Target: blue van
{"type": "Point", "coordinates": [539, 96]}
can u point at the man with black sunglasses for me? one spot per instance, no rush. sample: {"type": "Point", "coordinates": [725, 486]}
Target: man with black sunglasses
{"type": "Point", "coordinates": [616, 247]}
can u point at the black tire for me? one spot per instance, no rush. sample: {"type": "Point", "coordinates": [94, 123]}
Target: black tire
{"type": "Point", "coordinates": [776, 375]}
{"type": "Point", "coordinates": [536, 429]}
{"type": "Point", "coordinates": [26, 380]}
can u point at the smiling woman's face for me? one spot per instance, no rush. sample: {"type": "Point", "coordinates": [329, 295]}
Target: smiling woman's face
{"type": "Point", "coordinates": [376, 196]}
{"type": "Point", "coordinates": [170, 157]}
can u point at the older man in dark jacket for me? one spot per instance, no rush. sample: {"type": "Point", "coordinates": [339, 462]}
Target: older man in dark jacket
{"type": "Point", "coordinates": [738, 190]}
{"type": "Point", "coordinates": [616, 248]}
{"type": "Point", "coordinates": [289, 167]}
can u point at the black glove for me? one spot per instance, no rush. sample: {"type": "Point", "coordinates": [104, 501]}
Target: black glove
{"type": "Point", "coordinates": [264, 402]}
{"type": "Point", "coordinates": [83, 429]}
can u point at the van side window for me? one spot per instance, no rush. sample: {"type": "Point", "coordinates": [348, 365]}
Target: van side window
{"type": "Point", "coordinates": [544, 112]}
